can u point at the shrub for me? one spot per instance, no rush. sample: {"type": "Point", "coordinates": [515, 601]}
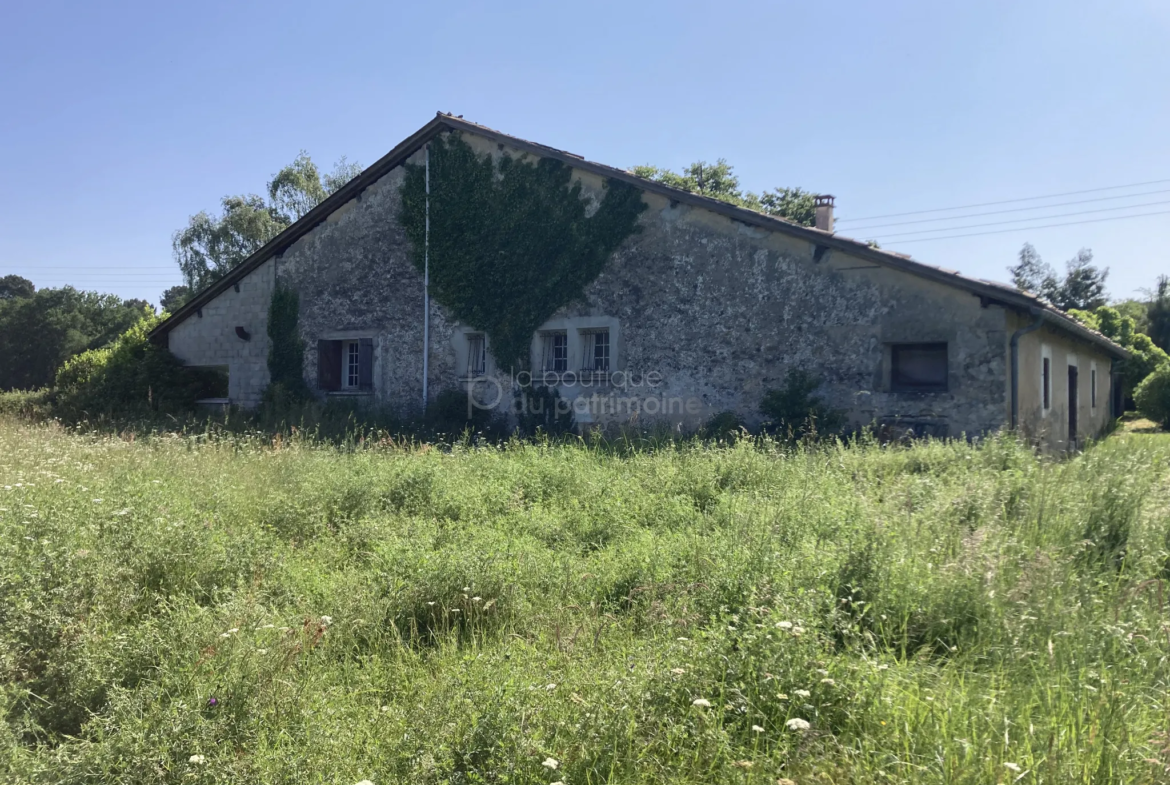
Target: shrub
{"type": "Point", "coordinates": [541, 411]}
{"type": "Point", "coordinates": [1144, 359]}
{"type": "Point", "coordinates": [449, 414]}
{"type": "Point", "coordinates": [794, 410]}
{"type": "Point", "coordinates": [132, 375]}
{"type": "Point", "coordinates": [1152, 396]}
{"type": "Point", "coordinates": [723, 425]}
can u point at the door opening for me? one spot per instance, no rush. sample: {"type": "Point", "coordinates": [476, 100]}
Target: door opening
{"type": "Point", "coordinates": [1072, 407]}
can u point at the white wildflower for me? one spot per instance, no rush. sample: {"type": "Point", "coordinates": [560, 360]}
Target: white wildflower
{"type": "Point", "coordinates": [1012, 767]}
{"type": "Point", "coordinates": [801, 693]}
{"type": "Point", "coordinates": [829, 682]}
{"type": "Point", "coordinates": [702, 703]}
{"type": "Point", "coordinates": [550, 687]}
{"type": "Point", "coordinates": [326, 620]}
{"type": "Point", "coordinates": [365, 782]}
{"type": "Point", "coordinates": [785, 625]}
{"type": "Point", "coordinates": [551, 763]}
{"type": "Point", "coordinates": [678, 671]}
{"type": "Point", "coordinates": [476, 599]}
{"type": "Point", "coordinates": [796, 723]}
{"type": "Point", "coordinates": [757, 729]}
{"type": "Point", "coordinates": [198, 760]}
{"type": "Point", "coordinates": [97, 501]}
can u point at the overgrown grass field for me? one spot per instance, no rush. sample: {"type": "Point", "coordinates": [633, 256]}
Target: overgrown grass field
{"type": "Point", "coordinates": [196, 609]}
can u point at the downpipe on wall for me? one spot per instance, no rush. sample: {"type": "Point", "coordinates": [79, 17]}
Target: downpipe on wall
{"type": "Point", "coordinates": [1016, 362]}
{"type": "Point", "coordinates": [427, 279]}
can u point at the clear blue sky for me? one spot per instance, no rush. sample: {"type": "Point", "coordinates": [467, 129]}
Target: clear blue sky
{"type": "Point", "coordinates": [117, 122]}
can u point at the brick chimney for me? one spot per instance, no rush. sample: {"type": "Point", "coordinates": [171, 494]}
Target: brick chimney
{"type": "Point", "coordinates": [824, 212]}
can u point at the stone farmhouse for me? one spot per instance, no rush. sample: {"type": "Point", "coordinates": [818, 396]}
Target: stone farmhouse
{"type": "Point", "coordinates": [699, 307]}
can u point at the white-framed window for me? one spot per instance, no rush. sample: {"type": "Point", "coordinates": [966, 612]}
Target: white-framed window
{"type": "Point", "coordinates": [476, 354]}
{"type": "Point", "coordinates": [1045, 378]}
{"type": "Point", "coordinates": [351, 379]}
{"type": "Point", "coordinates": [1093, 384]}
{"type": "Point", "coordinates": [595, 349]}
{"type": "Point", "coordinates": [554, 351]}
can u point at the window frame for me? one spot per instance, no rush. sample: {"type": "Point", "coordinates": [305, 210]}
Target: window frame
{"type": "Point", "coordinates": [351, 365]}
{"type": "Point", "coordinates": [475, 358]}
{"type": "Point", "coordinates": [345, 365]}
{"type": "Point", "coordinates": [589, 343]}
{"type": "Point", "coordinates": [549, 361]}
{"type": "Point", "coordinates": [900, 386]}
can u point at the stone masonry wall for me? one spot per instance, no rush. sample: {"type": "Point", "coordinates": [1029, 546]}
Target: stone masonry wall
{"type": "Point", "coordinates": [211, 339]}
{"type": "Point", "coordinates": [716, 310]}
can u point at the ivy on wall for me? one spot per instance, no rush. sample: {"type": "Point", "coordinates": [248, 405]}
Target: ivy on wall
{"type": "Point", "coordinates": [286, 356]}
{"type": "Point", "coordinates": [510, 243]}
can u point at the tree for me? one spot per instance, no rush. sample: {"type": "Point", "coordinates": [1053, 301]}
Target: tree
{"type": "Point", "coordinates": [1158, 314]}
{"type": "Point", "coordinates": [718, 181]}
{"type": "Point", "coordinates": [1136, 310]}
{"type": "Point", "coordinates": [174, 298]}
{"type": "Point", "coordinates": [209, 246]}
{"type": "Point", "coordinates": [13, 286]}
{"type": "Point", "coordinates": [38, 333]}
{"type": "Point", "coordinates": [1145, 357]}
{"type": "Point", "coordinates": [1084, 283]}
{"type": "Point", "coordinates": [1033, 274]}
{"type": "Point", "coordinates": [1083, 286]}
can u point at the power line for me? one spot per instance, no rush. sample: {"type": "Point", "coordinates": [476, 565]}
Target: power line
{"type": "Point", "coordinates": [1005, 201]}
{"type": "Point", "coordinates": [1030, 228]}
{"type": "Point", "coordinates": [1010, 210]}
{"type": "Point", "coordinates": [1025, 220]}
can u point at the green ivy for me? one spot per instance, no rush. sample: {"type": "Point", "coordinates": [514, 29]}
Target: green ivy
{"type": "Point", "coordinates": [286, 356]}
{"type": "Point", "coordinates": [510, 243]}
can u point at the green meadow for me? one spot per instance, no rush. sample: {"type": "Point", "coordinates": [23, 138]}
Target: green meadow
{"type": "Point", "coordinates": [209, 607]}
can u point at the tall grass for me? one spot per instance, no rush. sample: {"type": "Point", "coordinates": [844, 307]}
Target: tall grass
{"type": "Point", "coordinates": [296, 612]}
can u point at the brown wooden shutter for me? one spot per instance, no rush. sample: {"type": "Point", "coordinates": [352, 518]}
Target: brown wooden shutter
{"type": "Point", "coordinates": [329, 365]}
{"type": "Point", "coordinates": [366, 364]}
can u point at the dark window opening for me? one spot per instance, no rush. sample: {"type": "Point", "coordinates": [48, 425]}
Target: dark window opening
{"type": "Point", "coordinates": [1046, 382]}
{"type": "Point", "coordinates": [210, 381]}
{"type": "Point", "coordinates": [918, 367]}
{"type": "Point", "coordinates": [345, 365]}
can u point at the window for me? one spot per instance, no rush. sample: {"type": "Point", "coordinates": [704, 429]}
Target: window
{"type": "Point", "coordinates": [555, 352]}
{"type": "Point", "coordinates": [595, 356]}
{"type": "Point", "coordinates": [352, 365]}
{"type": "Point", "coordinates": [918, 367]}
{"type": "Point", "coordinates": [1046, 382]}
{"type": "Point", "coordinates": [476, 354]}
{"type": "Point", "coordinates": [345, 365]}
